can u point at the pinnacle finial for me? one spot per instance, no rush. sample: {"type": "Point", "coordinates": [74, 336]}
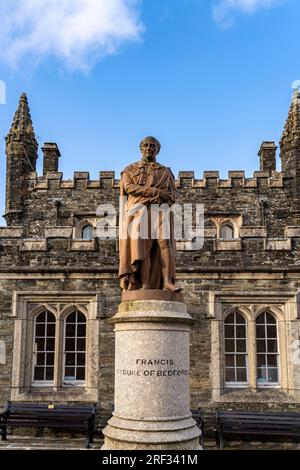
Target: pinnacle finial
{"type": "Point", "coordinates": [291, 132]}
{"type": "Point", "coordinates": [296, 96]}
{"type": "Point", "coordinates": [296, 88]}
{"type": "Point", "coordinates": [22, 127]}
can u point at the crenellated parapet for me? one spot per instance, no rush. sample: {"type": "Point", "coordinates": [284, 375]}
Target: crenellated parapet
{"type": "Point", "coordinates": [236, 179]}
{"type": "Point", "coordinates": [185, 180]}
{"type": "Point", "coordinates": [80, 180]}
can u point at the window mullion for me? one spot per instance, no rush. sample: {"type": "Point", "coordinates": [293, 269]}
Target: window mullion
{"type": "Point", "coordinates": [45, 348]}
{"type": "Point", "coordinates": [58, 353]}
{"type": "Point", "coordinates": [75, 348]}
{"type": "Point", "coordinates": [251, 347]}
{"type": "Point", "coordinates": [234, 339]}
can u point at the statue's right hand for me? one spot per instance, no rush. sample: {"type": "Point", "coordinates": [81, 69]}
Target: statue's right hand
{"type": "Point", "coordinates": [164, 196]}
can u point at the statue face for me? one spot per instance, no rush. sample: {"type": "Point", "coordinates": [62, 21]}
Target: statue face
{"type": "Point", "coordinates": [149, 150]}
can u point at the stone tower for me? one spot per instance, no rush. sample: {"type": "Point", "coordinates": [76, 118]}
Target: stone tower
{"type": "Point", "coordinates": [21, 156]}
{"type": "Point", "coordinates": [290, 149]}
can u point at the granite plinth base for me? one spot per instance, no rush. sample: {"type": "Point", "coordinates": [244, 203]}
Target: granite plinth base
{"type": "Point", "coordinates": [152, 396]}
{"type": "Point", "coordinates": [125, 434]}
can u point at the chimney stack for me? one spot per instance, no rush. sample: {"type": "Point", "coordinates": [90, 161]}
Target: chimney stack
{"type": "Point", "coordinates": [51, 156]}
{"type": "Point", "coordinates": [267, 155]}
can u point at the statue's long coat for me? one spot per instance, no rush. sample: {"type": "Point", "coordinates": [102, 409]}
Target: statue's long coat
{"type": "Point", "coordinates": [138, 184]}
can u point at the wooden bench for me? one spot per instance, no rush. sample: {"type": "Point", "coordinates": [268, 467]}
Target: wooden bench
{"type": "Point", "coordinates": [73, 417]}
{"type": "Point", "coordinates": [248, 423]}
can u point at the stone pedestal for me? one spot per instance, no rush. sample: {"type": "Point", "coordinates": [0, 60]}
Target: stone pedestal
{"type": "Point", "coordinates": [152, 395]}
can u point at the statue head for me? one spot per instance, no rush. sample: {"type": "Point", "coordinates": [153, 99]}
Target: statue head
{"type": "Point", "coordinates": [149, 148]}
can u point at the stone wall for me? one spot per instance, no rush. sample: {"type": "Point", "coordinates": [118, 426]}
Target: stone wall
{"type": "Point", "coordinates": [197, 291]}
{"type": "Point", "coordinates": [42, 255]}
{"type": "Point", "coordinates": [260, 208]}
{"type": "Point", "coordinates": [42, 252]}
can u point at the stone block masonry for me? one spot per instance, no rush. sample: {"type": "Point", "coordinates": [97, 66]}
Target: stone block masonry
{"type": "Point", "coordinates": [248, 266]}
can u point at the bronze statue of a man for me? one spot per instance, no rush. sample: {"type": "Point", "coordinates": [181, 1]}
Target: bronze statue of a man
{"type": "Point", "coordinates": [147, 262]}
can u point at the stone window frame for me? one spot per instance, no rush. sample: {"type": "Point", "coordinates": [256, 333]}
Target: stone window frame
{"type": "Point", "coordinates": [251, 317]}
{"type": "Point", "coordinates": [26, 306]}
{"type": "Point", "coordinates": [284, 306]}
{"type": "Point", "coordinates": [235, 222]}
{"type": "Point", "coordinates": [81, 221]}
{"type": "Point", "coordinates": [80, 224]}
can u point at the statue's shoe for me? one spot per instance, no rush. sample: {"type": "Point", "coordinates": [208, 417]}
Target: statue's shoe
{"type": "Point", "coordinates": [172, 287]}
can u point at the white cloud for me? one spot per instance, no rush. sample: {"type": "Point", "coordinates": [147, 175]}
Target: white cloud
{"type": "Point", "coordinates": [77, 32]}
{"type": "Point", "coordinates": [224, 10]}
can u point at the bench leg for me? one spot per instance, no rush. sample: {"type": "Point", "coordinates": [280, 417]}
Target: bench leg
{"type": "Point", "coordinates": [3, 433]}
{"type": "Point", "coordinates": [221, 440]}
{"type": "Point", "coordinates": [91, 426]}
{"type": "Point", "coordinates": [40, 432]}
{"type": "Point", "coordinates": [202, 435]}
{"type": "Point", "coordinates": [87, 440]}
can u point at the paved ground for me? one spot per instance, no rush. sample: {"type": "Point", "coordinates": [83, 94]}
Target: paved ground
{"type": "Point", "coordinates": [46, 443]}
{"type": "Point", "coordinates": [50, 443]}
{"type": "Point", "coordinates": [255, 445]}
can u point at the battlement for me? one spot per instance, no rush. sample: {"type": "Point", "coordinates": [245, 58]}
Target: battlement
{"type": "Point", "coordinates": [107, 179]}
{"type": "Point", "coordinates": [236, 179]}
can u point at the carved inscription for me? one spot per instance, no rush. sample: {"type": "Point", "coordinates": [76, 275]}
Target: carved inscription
{"type": "Point", "coordinates": [157, 367]}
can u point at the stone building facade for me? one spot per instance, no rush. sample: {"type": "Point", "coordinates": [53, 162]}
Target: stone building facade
{"type": "Point", "coordinates": [59, 286]}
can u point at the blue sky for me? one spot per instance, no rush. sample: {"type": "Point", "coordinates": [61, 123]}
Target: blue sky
{"type": "Point", "coordinates": [210, 79]}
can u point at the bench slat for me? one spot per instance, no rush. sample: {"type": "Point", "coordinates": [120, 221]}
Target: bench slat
{"type": "Point", "coordinates": [257, 423]}
{"type": "Point", "coordinates": [267, 433]}
{"type": "Point", "coordinates": [259, 426]}
{"type": "Point", "coordinates": [73, 417]}
{"type": "Point", "coordinates": [270, 421]}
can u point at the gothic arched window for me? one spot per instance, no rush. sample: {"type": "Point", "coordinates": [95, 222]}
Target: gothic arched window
{"type": "Point", "coordinates": [87, 232]}
{"type": "Point", "coordinates": [227, 232]}
{"type": "Point", "coordinates": [267, 354]}
{"type": "Point", "coordinates": [44, 347]}
{"type": "Point", "coordinates": [236, 356]}
{"type": "Point", "coordinates": [75, 347]}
